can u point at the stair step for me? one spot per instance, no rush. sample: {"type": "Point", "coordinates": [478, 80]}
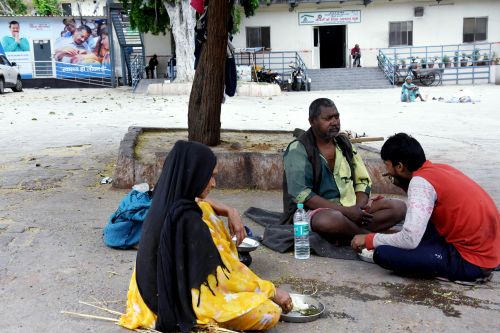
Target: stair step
{"type": "Point", "coordinates": [348, 78]}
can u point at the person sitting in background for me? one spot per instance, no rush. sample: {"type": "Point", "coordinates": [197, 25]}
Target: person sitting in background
{"type": "Point", "coordinates": [187, 269]}
{"type": "Point", "coordinates": [409, 91]}
{"type": "Point", "coordinates": [452, 226]}
{"type": "Point", "coordinates": [150, 68]}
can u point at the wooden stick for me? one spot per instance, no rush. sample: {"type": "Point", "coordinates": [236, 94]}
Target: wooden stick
{"type": "Point", "coordinates": [367, 139]}
{"type": "Point", "coordinates": [89, 316]}
{"type": "Point", "coordinates": [102, 308]}
{"type": "Point", "coordinates": [217, 329]}
{"type": "Point", "coordinates": [146, 330]}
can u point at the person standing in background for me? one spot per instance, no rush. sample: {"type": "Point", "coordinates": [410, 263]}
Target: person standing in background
{"type": "Point", "coordinates": [356, 56]}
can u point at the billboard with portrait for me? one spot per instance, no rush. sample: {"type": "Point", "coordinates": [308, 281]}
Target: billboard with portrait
{"type": "Point", "coordinates": [57, 47]}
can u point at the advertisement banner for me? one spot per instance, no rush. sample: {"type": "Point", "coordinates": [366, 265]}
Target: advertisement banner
{"type": "Point", "coordinates": [23, 63]}
{"type": "Point", "coordinates": [57, 47]}
{"type": "Point", "coordinates": [335, 17]}
{"type": "Point", "coordinates": [16, 47]}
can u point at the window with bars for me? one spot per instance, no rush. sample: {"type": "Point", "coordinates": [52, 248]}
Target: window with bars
{"type": "Point", "coordinates": [401, 33]}
{"type": "Point", "coordinates": [475, 29]}
{"type": "Point", "coordinates": [66, 9]}
{"type": "Point", "coordinates": [258, 37]}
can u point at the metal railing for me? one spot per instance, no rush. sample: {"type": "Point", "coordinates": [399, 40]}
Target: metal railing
{"type": "Point", "coordinates": [458, 62]}
{"type": "Point", "coordinates": [92, 74]}
{"type": "Point", "coordinates": [276, 61]}
{"type": "Point", "coordinates": [137, 70]}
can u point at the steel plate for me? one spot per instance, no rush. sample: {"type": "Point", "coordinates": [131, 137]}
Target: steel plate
{"type": "Point", "coordinates": [297, 317]}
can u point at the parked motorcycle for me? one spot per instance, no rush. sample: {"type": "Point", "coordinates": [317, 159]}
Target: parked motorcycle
{"type": "Point", "coordinates": [268, 76]}
{"type": "Point", "coordinates": [298, 80]}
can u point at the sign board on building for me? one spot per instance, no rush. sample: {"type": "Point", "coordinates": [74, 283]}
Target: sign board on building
{"type": "Point", "coordinates": [73, 47]}
{"type": "Point", "coordinates": [330, 17]}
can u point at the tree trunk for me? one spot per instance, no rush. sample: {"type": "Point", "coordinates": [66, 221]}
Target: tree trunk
{"type": "Point", "coordinates": [208, 85]}
{"type": "Point", "coordinates": [183, 20]}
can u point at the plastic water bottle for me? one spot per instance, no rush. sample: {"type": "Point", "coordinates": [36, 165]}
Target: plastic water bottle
{"type": "Point", "coordinates": [301, 231]}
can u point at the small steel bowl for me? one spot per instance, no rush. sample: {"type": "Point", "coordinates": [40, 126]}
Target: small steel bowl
{"type": "Point", "coordinates": [297, 317]}
{"type": "Point", "coordinates": [248, 245]}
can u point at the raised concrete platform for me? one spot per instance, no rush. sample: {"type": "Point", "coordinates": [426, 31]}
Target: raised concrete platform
{"type": "Point", "coordinates": [254, 89]}
{"type": "Point", "coordinates": [247, 159]}
{"type": "Point", "coordinates": [166, 88]}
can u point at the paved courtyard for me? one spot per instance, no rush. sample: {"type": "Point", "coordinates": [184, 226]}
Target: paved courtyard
{"type": "Point", "coordinates": [58, 144]}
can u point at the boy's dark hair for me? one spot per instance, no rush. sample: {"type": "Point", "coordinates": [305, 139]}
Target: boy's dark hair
{"type": "Point", "coordinates": [315, 107]}
{"type": "Point", "coordinates": [13, 22]}
{"type": "Point", "coordinates": [405, 149]}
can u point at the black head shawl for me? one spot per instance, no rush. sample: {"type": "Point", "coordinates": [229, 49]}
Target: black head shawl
{"type": "Point", "coordinates": [176, 252]}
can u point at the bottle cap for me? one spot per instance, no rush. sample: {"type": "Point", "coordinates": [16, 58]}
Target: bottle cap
{"type": "Point", "coordinates": [300, 206]}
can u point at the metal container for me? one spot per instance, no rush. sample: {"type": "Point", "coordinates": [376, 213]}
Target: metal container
{"type": "Point", "coordinates": [248, 245]}
{"type": "Point", "coordinates": [297, 317]}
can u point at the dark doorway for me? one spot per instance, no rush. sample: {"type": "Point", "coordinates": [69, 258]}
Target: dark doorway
{"type": "Point", "coordinates": [43, 58]}
{"type": "Point", "coordinates": [332, 46]}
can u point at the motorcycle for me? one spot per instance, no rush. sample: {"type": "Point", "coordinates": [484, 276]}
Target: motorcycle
{"type": "Point", "coordinates": [298, 80]}
{"type": "Point", "coordinates": [268, 76]}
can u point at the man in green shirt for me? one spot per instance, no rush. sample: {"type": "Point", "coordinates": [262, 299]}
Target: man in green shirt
{"type": "Point", "coordinates": [325, 172]}
{"type": "Point", "coordinates": [14, 43]}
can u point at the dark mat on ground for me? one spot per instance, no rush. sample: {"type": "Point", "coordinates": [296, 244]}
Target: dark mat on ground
{"type": "Point", "coordinates": [279, 237]}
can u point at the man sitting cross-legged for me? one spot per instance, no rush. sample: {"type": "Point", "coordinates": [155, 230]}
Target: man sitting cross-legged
{"type": "Point", "coordinates": [324, 171]}
{"type": "Point", "coordinates": [452, 227]}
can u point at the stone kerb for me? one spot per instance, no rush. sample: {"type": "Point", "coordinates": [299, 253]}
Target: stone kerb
{"type": "Point", "coordinates": [169, 89]}
{"type": "Point", "coordinates": [250, 89]}
{"type": "Point", "coordinates": [254, 89]}
{"type": "Point", "coordinates": [238, 169]}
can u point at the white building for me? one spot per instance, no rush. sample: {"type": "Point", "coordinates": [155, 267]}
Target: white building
{"type": "Point", "coordinates": [324, 31]}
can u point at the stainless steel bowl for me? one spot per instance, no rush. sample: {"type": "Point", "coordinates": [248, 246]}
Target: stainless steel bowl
{"type": "Point", "coordinates": [297, 317]}
{"type": "Point", "coordinates": [248, 245]}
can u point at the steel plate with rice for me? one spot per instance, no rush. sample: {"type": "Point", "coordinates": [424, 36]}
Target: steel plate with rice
{"type": "Point", "coordinates": [305, 309]}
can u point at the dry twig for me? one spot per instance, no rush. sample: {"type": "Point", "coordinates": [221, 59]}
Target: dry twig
{"type": "Point", "coordinates": [84, 315]}
{"type": "Point", "coordinates": [102, 308]}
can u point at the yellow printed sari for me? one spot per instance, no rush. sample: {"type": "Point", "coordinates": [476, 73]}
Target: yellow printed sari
{"type": "Point", "coordinates": [240, 302]}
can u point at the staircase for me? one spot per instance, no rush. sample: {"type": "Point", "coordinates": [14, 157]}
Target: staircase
{"type": "Point", "coordinates": [131, 45]}
{"type": "Point", "coordinates": [348, 78]}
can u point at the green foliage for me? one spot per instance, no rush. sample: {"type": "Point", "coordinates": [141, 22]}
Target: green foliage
{"type": "Point", "coordinates": [18, 6]}
{"type": "Point", "coordinates": [236, 14]}
{"type": "Point", "coordinates": [148, 16]}
{"type": "Point", "coordinates": [446, 59]}
{"type": "Point", "coordinates": [47, 7]}
{"type": "Point", "coordinates": [151, 15]}
{"type": "Point", "coordinates": [249, 6]}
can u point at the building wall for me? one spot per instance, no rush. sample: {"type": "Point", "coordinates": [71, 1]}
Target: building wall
{"type": "Point", "coordinates": [161, 46]}
{"type": "Point", "coordinates": [87, 7]}
{"type": "Point", "coordinates": [441, 24]}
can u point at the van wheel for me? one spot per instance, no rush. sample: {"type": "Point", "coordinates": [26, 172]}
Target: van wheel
{"type": "Point", "coordinates": [19, 86]}
{"type": "Point", "coordinates": [1, 86]}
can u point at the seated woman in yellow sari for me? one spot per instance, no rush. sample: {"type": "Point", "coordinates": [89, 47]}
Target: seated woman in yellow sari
{"type": "Point", "coordinates": [187, 269]}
